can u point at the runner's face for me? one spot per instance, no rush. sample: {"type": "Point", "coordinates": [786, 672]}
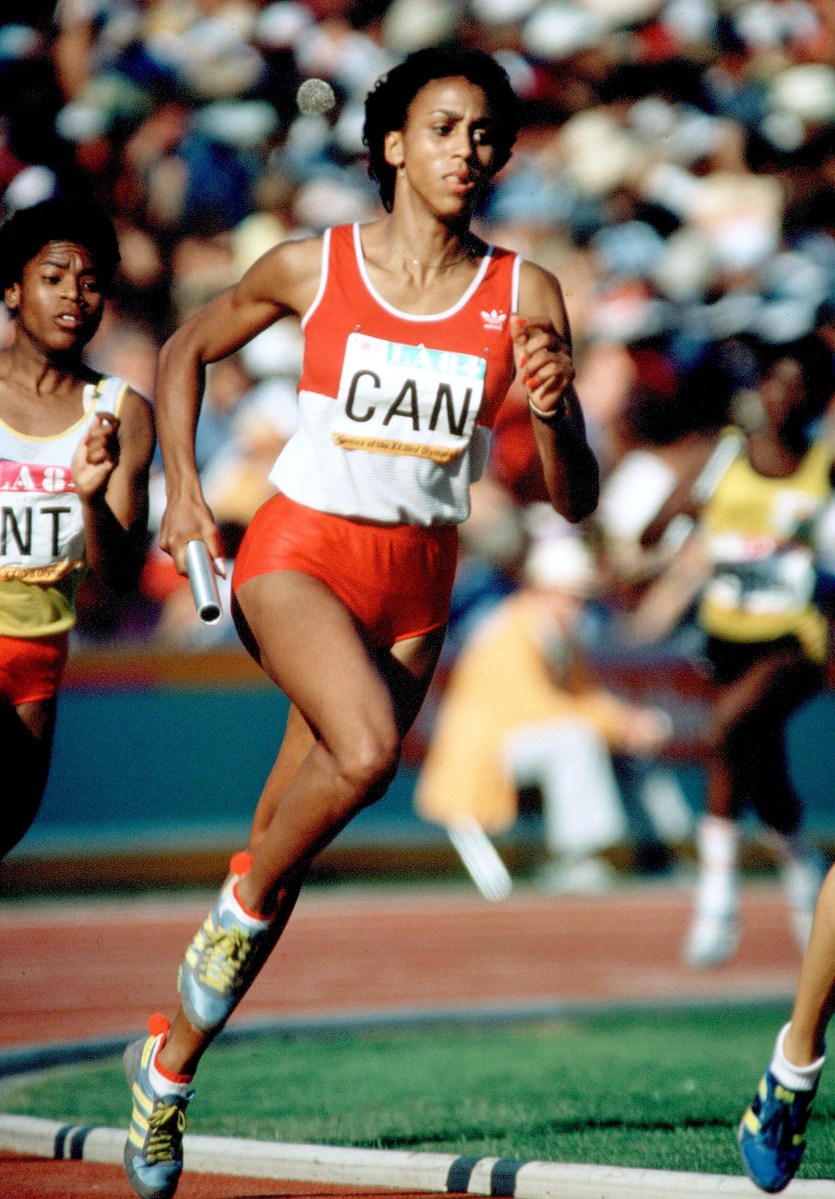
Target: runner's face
{"type": "Point", "coordinates": [446, 145]}
{"type": "Point", "coordinates": [784, 394]}
{"type": "Point", "coordinates": [59, 301]}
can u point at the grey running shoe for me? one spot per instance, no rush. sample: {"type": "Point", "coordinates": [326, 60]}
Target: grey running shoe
{"type": "Point", "coordinates": [154, 1148]}
{"type": "Point", "coordinates": [221, 962]}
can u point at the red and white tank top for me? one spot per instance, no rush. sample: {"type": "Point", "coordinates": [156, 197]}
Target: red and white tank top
{"type": "Point", "coordinates": [395, 410]}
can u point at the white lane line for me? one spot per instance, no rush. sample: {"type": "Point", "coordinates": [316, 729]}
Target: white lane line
{"type": "Point", "coordinates": [435, 1173]}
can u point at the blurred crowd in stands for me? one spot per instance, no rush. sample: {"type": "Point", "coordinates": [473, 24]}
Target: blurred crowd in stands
{"type": "Point", "coordinates": [676, 171]}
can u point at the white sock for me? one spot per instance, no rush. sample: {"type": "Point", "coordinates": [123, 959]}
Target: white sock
{"type": "Point", "coordinates": [794, 1078]}
{"type": "Point", "coordinates": [159, 1081]}
{"type": "Point", "coordinates": [718, 841]}
{"type": "Point", "coordinates": [718, 845]}
{"type": "Point", "coordinates": [230, 900]}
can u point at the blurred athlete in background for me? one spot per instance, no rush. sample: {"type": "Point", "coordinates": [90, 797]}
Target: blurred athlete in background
{"type": "Point", "coordinates": [767, 639]}
{"type": "Point", "coordinates": [755, 560]}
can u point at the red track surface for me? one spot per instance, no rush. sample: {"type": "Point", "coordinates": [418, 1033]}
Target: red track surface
{"type": "Point", "coordinates": [75, 971]}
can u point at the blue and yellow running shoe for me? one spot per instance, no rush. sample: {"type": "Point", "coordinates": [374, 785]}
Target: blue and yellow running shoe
{"type": "Point", "coordinates": [772, 1133]}
{"type": "Point", "coordinates": [223, 959]}
{"type": "Point", "coordinates": [154, 1148]}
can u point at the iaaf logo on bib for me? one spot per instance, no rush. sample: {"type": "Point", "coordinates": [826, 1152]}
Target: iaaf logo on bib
{"type": "Point", "coordinates": [494, 319]}
{"type": "Point", "coordinates": [35, 477]}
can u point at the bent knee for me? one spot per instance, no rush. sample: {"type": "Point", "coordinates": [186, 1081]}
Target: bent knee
{"type": "Point", "coordinates": [368, 765]}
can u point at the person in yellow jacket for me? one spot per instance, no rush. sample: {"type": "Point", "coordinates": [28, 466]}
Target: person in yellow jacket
{"type": "Point", "coordinates": [521, 707]}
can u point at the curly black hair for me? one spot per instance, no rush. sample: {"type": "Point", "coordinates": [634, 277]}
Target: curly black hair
{"type": "Point", "coordinates": [28, 230]}
{"type": "Point", "coordinates": [387, 104]}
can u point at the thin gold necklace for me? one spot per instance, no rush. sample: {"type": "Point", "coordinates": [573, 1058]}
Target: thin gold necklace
{"type": "Point", "coordinates": [461, 257]}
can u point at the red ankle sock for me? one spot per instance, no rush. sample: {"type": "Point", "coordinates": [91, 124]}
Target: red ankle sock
{"type": "Point", "coordinates": [169, 1074]}
{"type": "Point", "coordinates": [159, 1026]}
{"type": "Point", "coordinates": [249, 912]}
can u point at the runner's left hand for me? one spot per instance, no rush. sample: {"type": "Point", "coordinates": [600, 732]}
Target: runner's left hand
{"type": "Point", "coordinates": [96, 456]}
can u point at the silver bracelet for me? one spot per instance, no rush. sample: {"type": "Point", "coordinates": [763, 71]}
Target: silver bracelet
{"type": "Point", "coordinates": [549, 418]}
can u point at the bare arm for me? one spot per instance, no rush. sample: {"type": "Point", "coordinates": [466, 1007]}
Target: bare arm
{"type": "Point", "coordinates": [692, 462]}
{"type": "Point", "coordinates": [542, 347]}
{"type": "Point", "coordinates": [110, 470]}
{"type": "Point", "coordinates": [283, 281]}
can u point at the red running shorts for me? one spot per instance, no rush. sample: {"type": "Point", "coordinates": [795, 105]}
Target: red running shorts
{"type": "Point", "coordinates": [395, 579]}
{"type": "Point", "coordinates": [31, 668]}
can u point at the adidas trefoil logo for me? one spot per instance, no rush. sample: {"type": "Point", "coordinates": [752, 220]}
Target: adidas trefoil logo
{"type": "Point", "coordinates": [494, 319]}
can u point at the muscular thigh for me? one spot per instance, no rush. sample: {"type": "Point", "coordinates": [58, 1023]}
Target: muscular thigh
{"type": "Point", "coordinates": [313, 648]}
{"type": "Point", "coordinates": [763, 685]}
{"type": "Point", "coordinates": [408, 667]}
{"type": "Point", "coordinates": [310, 645]}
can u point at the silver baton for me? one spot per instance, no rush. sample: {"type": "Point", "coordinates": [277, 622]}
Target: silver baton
{"type": "Point", "coordinates": [201, 575]}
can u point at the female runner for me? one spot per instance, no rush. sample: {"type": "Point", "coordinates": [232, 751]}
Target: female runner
{"type": "Point", "coordinates": [413, 328]}
{"type": "Point", "coordinates": [767, 639]}
{"type": "Point", "coordinates": [75, 449]}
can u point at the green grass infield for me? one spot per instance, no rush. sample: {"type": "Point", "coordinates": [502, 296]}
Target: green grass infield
{"type": "Point", "coordinates": [654, 1090]}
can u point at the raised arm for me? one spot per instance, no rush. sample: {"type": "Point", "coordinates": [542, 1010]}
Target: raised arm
{"type": "Point", "coordinates": [542, 347]}
{"type": "Point", "coordinates": [283, 281]}
{"type": "Point", "coordinates": [110, 469]}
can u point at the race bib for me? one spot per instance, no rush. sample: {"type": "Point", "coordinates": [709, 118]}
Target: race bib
{"type": "Point", "coordinates": [41, 523]}
{"type": "Point", "coordinates": [403, 399]}
{"type": "Point", "coordinates": [765, 583]}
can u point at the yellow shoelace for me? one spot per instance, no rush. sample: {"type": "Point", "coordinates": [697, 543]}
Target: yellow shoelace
{"type": "Point", "coordinates": [223, 958]}
{"type": "Point", "coordinates": [166, 1125]}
